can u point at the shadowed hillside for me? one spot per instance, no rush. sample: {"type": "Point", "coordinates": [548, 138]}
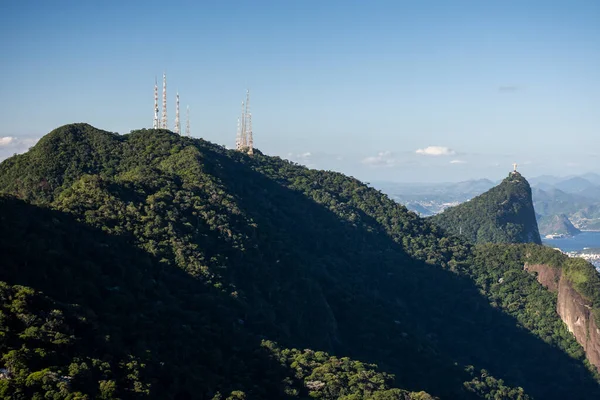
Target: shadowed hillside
{"type": "Point", "coordinates": [186, 256]}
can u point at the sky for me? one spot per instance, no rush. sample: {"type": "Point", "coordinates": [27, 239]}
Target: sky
{"type": "Point", "coordinates": [407, 91]}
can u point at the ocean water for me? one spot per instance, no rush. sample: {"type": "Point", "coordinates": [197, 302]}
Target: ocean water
{"type": "Point", "coordinates": [585, 240]}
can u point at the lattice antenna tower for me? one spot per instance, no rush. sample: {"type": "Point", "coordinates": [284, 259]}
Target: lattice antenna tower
{"type": "Point", "coordinates": [238, 136]}
{"type": "Point", "coordinates": [248, 121]}
{"type": "Point", "coordinates": [250, 138]}
{"type": "Point", "coordinates": [155, 122]}
{"type": "Point", "coordinates": [242, 128]}
{"type": "Point", "coordinates": [177, 123]}
{"type": "Point", "coordinates": [187, 122]}
{"type": "Point", "coordinates": [164, 103]}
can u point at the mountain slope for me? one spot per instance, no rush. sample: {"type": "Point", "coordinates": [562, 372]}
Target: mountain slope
{"type": "Point", "coordinates": [162, 233]}
{"type": "Point", "coordinates": [557, 224]}
{"type": "Point", "coordinates": [503, 214]}
{"type": "Point", "coordinates": [106, 329]}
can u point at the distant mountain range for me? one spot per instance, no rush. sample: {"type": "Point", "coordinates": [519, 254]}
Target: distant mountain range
{"type": "Point", "coordinates": [431, 198]}
{"type": "Point", "coordinates": [577, 198]}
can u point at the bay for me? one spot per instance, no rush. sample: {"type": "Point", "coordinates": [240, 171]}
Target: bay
{"type": "Point", "coordinates": [583, 241]}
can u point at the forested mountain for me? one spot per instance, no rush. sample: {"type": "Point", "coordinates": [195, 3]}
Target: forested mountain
{"type": "Point", "coordinates": [503, 214]}
{"type": "Point", "coordinates": [151, 265]}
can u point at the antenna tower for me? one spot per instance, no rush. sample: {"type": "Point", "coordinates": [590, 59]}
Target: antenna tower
{"type": "Point", "coordinates": [244, 139]}
{"type": "Point", "coordinates": [164, 103]}
{"type": "Point", "coordinates": [243, 128]}
{"type": "Point", "coordinates": [238, 137]}
{"type": "Point", "coordinates": [250, 138]}
{"type": "Point", "coordinates": [187, 122]}
{"type": "Point", "coordinates": [155, 122]}
{"type": "Point", "coordinates": [177, 124]}
{"type": "Point", "coordinates": [248, 124]}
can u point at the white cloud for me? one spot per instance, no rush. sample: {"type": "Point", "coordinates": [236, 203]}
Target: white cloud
{"type": "Point", "coordinates": [458, 162]}
{"type": "Point", "coordinates": [436, 151]}
{"type": "Point", "coordinates": [6, 140]}
{"type": "Point", "coordinates": [10, 145]}
{"type": "Point", "coordinates": [382, 159]}
{"type": "Point", "coordinates": [307, 158]}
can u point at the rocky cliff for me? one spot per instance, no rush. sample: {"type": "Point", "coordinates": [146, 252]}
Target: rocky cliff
{"type": "Point", "coordinates": [573, 309]}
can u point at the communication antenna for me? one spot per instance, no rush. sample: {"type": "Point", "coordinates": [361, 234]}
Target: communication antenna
{"type": "Point", "coordinates": [243, 128]}
{"type": "Point", "coordinates": [177, 124]}
{"type": "Point", "coordinates": [250, 138]}
{"type": "Point", "coordinates": [187, 123]}
{"type": "Point", "coordinates": [247, 120]}
{"type": "Point", "coordinates": [164, 103]}
{"type": "Point", "coordinates": [238, 136]}
{"type": "Point", "coordinates": [155, 122]}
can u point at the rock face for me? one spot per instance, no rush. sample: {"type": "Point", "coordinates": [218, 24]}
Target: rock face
{"type": "Point", "coordinates": [547, 276]}
{"type": "Point", "coordinates": [573, 309]}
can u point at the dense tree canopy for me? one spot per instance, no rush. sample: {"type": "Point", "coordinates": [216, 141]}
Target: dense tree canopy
{"type": "Point", "coordinates": [179, 269]}
{"type": "Point", "coordinates": [503, 214]}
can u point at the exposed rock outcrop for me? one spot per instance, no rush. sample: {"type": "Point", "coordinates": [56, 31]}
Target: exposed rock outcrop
{"type": "Point", "coordinates": [547, 276]}
{"type": "Point", "coordinates": [573, 309]}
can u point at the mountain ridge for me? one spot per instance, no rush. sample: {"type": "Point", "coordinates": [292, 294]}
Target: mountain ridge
{"type": "Point", "coordinates": [309, 259]}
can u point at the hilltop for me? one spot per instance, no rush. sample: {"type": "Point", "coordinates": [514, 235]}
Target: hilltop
{"type": "Point", "coordinates": [151, 265]}
{"type": "Point", "coordinates": [503, 214]}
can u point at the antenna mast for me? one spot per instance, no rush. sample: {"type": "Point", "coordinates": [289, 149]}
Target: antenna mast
{"type": "Point", "coordinates": [155, 122]}
{"type": "Point", "coordinates": [244, 139]}
{"type": "Point", "coordinates": [164, 103]}
{"type": "Point", "coordinates": [187, 122]}
{"type": "Point", "coordinates": [242, 128]}
{"type": "Point", "coordinates": [248, 124]}
{"type": "Point", "coordinates": [250, 138]}
{"type": "Point", "coordinates": [177, 123]}
{"type": "Point", "coordinates": [238, 137]}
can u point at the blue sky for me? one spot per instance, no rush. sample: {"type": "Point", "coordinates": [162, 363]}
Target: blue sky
{"type": "Point", "coordinates": [381, 90]}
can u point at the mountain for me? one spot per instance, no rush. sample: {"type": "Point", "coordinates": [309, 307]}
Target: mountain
{"type": "Point", "coordinates": [574, 185]}
{"type": "Point", "coordinates": [592, 177]}
{"type": "Point", "coordinates": [419, 209]}
{"type": "Point", "coordinates": [583, 212]}
{"type": "Point", "coordinates": [429, 199]}
{"type": "Point", "coordinates": [544, 180]}
{"type": "Point", "coordinates": [151, 265]}
{"type": "Point", "coordinates": [473, 187]}
{"type": "Point", "coordinates": [592, 192]}
{"type": "Point", "coordinates": [557, 225]}
{"type": "Point", "coordinates": [503, 214]}
{"type": "Point", "coordinates": [554, 201]}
